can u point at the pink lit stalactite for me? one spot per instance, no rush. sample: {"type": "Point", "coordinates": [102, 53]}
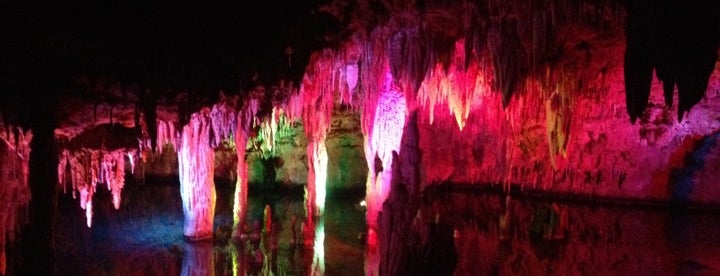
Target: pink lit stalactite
{"type": "Point", "coordinates": [113, 174]}
{"type": "Point", "coordinates": [166, 134]}
{"type": "Point", "coordinates": [346, 62]}
{"type": "Point", "coordinates": [459, 87]}
{"type": "Point", "coordinates": [89, 167]}
{"type": "Point", "coordinates": [196, 168]}
{"type": "Point", "coordinates": [319, 84]}
{"type": "Point", "coordinates": [243, 122]}
{"type": "Point", "coordinates": [14, 190]}
{"type": "Point", "coordinates": [223, 121]}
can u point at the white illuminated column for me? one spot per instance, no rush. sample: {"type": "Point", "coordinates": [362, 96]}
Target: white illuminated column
{"type": "Point", "coordinates": [385, 138]}
{"type": "Point", "coordinates": [317, 176]}
{"type": "Point", "coordinates": [197, 188]}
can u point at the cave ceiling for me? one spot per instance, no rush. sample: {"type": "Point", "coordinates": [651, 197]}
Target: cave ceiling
{"type": "Point", "coordinates": [67, 50]}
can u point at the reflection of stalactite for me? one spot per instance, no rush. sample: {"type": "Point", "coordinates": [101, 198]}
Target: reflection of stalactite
{"type": "Point", "coordinates": [198, 259]}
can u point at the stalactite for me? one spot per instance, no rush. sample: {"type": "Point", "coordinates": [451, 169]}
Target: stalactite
{"type": "Point", "coordinates": [223, 120]}
{"type": "Point", "coordinates": [88, 167]}
{"type": "Point", "coordinates": [317, 94]}
{"type": "Point", "coordinates": [508, 56]}
{"type": "Point", "coordinates": [196, 169]}
{"type": "Point", "coordinates": [166, 135]}
{"type": "Point", "coordinates": [131, 158]}
{"type": "Point", "coordinates": [409, 59]}
{"type": "Point", "coordinates": [245, 117]}
{"type": "Point", "coordinates": [373, 78]}
{"type": "Point", "coordinates": [14, 190]}
{"type": "Point", "coordinates": [348, 59]}
{"type": "Point", "coordinates": [460, 88]}
{"type": "Point", "coordinates": [293, 107]}
{"type": "Point", "coordinates": [558, 122]}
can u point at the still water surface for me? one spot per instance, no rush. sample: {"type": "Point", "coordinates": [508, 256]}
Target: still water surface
{"type": "Point", "coordinates": [450, 233]}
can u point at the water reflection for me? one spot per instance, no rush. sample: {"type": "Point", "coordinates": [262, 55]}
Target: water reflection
{"type": "Point", "coordinates": [259, 251]}
{"type": "Point", "coordinates": [444, 233]}
{"type": "Point", "coordinates": [318, 263]}
{"type": "Point", "coordinates": [457, 233]}
{"type": "Point", "coordinates": [198, 259]}
{"type": "Point", "coordinates": [145, 237]}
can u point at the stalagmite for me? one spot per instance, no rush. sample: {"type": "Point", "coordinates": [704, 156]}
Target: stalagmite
{"type": "Point", "coordinates": [196, 169]}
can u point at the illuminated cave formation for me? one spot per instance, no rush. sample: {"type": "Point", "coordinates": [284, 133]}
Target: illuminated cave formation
{"type": "Point", "coordinates": [197, 186]}
{"type": "Point", "coordinates": [14, 191]}
{"type": "Point", "coordinates": [521, 95]}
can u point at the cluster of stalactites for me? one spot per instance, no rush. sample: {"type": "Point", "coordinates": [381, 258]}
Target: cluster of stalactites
{"type": "Point", "coordinates": [14, 190]}
{"type": "Point", "coordinates": [268, 130]}
{"type": "Point", "coordinates": [89, 167]}
{"type": "Point", "coordinates": [458, 86]}
{"type": "Point", "coordinates": [166, 135]}
{"type": "Point", "coordinates": [317, 90]}
{"type": "Point", "coordinates": [223, 121]}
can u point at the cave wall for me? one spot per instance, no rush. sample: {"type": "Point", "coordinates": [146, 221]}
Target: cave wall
{"type": "Point", "coordinates": [657, 158]}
